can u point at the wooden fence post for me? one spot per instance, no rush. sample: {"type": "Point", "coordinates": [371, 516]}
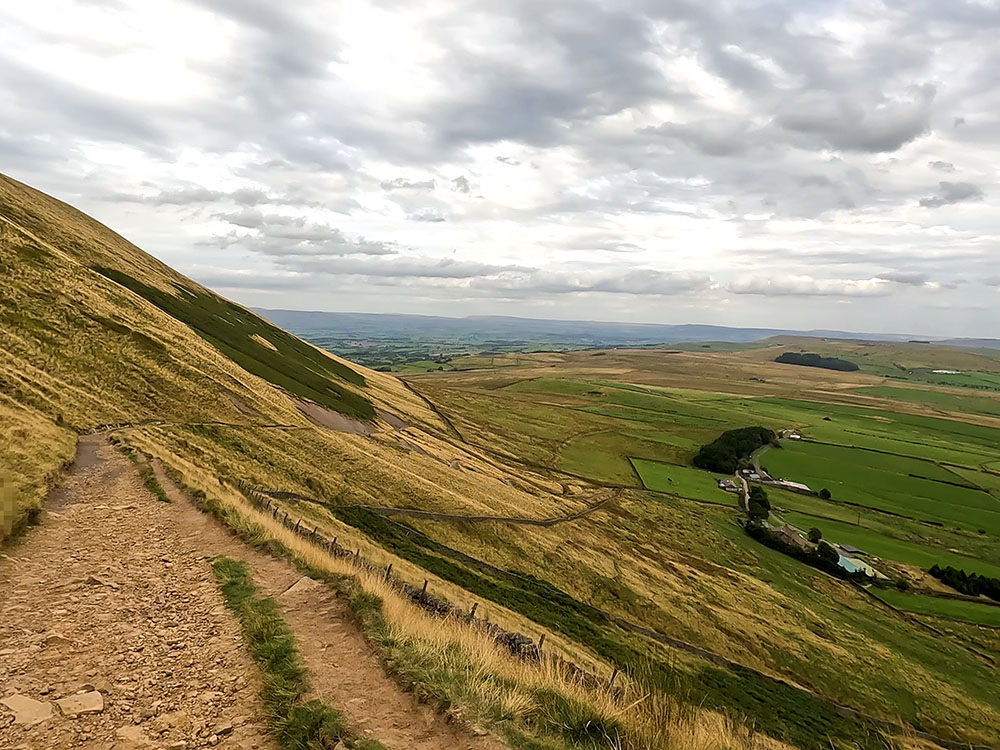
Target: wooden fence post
{"type": "Point", "coordinates": [424, 589]}
{"type": "Point", "coordinates": [388, 572]}
{"type": "Point", "coordinates": [541, 642]}
{"type": "Point", "coordinates": [611, 682]}
{"type": "Point", "coordinates": [472, 612]}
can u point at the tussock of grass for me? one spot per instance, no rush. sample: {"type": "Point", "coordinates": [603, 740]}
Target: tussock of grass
{"type": "Point", "coordinates": [152, 483]}
{"type": "Point", "coordinates": [297, 724]}
{"type": "Point", "coordinates": [146, 472]}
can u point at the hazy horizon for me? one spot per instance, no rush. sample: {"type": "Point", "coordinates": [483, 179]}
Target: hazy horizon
{"type": "Point", "coordinates": [600, 321]}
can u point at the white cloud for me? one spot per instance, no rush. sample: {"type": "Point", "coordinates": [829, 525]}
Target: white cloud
{"type": "Point", "coordinates": [628, 159]}
{"type": "Point", "coordinates": [806, 286]}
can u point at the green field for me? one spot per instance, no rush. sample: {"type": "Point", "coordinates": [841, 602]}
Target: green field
{"type": "Point", "coordinates": [977, 380]}
{"type": "Point", "coordinates": [894, 484]}
{"type": "Point", "coordinates": [425, 365]}
{"type": "Point", "coordinates": [956, 609]}
{"type": "Point", "coordinates": [682, 480]}
{"type": "Point", "coordinates": [930, 438]}
{"type": "Point", "coordinates": [910, 553]}
{"type": "Point", "coordinates": [939, 399]}
{"type": "Point", "coordinates": [988, 481]}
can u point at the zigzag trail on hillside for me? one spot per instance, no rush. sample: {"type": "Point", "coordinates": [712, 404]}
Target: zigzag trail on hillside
{"type": "Point", "coordinates": [114, 593]}
{"type": "Point", "coordinates": [431, 515]}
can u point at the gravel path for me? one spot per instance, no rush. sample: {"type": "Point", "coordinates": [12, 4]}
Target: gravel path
{"type": "Point", "coordinates": [107, 601]}
{"type": "Point", "coordinates": [112, 603]}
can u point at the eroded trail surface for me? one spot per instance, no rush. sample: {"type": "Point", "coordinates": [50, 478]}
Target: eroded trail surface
{"type": "Point", "coordinates": [112, 603]}
{"type": "Point", "coordinates": [108, 605]}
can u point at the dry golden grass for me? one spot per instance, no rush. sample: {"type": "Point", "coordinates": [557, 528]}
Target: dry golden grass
{"type": "Point", "coordinates": [488, 684]}
{"type": "Point", "coordinates": [33, 451]}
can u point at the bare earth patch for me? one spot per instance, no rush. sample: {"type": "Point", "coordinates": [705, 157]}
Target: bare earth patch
{"type": "Point", "coordinates": [331, 420]}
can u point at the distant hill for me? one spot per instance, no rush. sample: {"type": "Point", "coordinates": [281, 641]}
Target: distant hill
{"type": "Point", "coordinates": [512, 329]}
{"type": "Point", "coordinates": [971, 343]}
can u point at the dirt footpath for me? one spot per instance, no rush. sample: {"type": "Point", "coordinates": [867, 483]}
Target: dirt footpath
{"type": "Point", "coordinates": [112, 604]}
{"type": "Point", "coordinates": [108, 603]}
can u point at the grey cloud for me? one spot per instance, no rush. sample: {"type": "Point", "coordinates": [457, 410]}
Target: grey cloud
{"type": "Point", "coordinates": [429, 215]}
{"type": "Point", "coordinates": [941, 166]}
{"type": "Point", "coordinates": [399, 267]}
{"type": "Point", "coordinates": [72, 111]}
{"type": "Point", "coordinates": [229, 278]}
{"type": "Point", "coordinates": [714, 137]}
{"type": "Point", "coordinates": [197, 195]}
{"type": "Point", "coordinates": [853, 125]}
{"type": "Point", "coordinates": [185, 197]}
{"type": "Point", "coordinates": [493, 95]}
{"type": "Point", "coordinates": [248, 218]}
{"type": "Point", "coordinates": [400, 183]}
{"type": "Point", "coordinates": [953, 192]}
{"type": "Point", "coordinates": [910, 278]}
{"type": "Point", "coordinates": [461, 184]}
{"type": "Point", "coordinates": [249, 197]}
{"type": "Point", "coordinates": [278, 236]}
{"type": "Point", "coordinates": [639, 281]}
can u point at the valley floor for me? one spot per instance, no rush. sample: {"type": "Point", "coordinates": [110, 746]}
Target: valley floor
{"type": "Point", "coordinates": [112, 602]}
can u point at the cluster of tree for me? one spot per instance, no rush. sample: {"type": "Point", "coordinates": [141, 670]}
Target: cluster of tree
{"type": "Point", "coordinates": [723, 454]}
{"type": "Point", "coordinates": [972, 584]}
{"type": "Point", "coordinates": [814, 360]}
{"type": "Point", "coordinates": [823, 556]}
{"type": "Point", "coordinates": [758, 503]}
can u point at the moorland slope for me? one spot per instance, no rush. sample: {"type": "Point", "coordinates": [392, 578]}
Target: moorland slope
{"type": "Point", "coordinates": [99, 336]}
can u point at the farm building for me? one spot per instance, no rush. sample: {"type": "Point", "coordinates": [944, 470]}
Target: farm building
{"type": "Point", "coordinates": [793, 486]}
{"type": "Point", "coordinates": [793, 536]}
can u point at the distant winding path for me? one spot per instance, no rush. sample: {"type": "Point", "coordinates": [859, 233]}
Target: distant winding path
{"type": "Point", "coordinates": [448, 517]}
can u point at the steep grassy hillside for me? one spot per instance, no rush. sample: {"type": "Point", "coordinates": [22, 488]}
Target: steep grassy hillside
{"type": "Point", "coordinates": [95, 332]}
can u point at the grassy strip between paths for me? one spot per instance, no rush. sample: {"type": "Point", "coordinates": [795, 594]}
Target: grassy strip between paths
{"type": "Point", "coordinates": [152, 483]}
{"type": "Point", "coordinates": [296, 724]}
{"type": "Point", "coordinates": [145, 471]}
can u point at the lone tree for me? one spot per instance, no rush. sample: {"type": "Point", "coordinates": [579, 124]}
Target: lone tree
{"type": "Point", "coordinates": [758, 512]}
{"type": "Point", "coordinates": [759, 496]}
{"type": "Point", "coordinates": [825, 493]}
{"type": "Point", "coordinates": [815, 535]}
{"type": "Point", "coordinates": [825, 551]}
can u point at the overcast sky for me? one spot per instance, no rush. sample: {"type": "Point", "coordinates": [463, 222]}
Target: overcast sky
{"type": "Point", "coordinates": [799, 164]}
